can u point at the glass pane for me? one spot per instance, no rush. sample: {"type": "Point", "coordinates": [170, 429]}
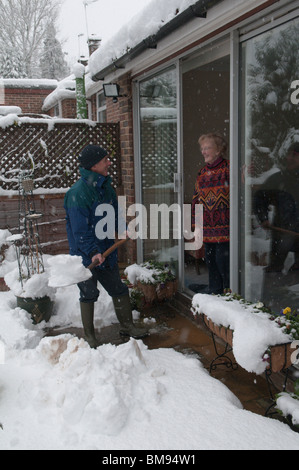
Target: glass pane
{"type": "Point", "coordinates": [102, 116]}
{"type": "Point", "coordinates": [270, 169]}
{"type": "Point", "coordinates": [158, 111]}
{"type": "Point", "coordinates": [206, 107]}
{"type": "Point", "coordinates": [101, 100]}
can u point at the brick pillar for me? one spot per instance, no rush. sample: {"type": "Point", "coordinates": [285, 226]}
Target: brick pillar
{"type": "Point", "coordinates": [122, 112]}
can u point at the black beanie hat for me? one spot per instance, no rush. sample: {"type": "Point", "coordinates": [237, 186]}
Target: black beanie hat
{"type": "Point", "coordinates": [91, 155]}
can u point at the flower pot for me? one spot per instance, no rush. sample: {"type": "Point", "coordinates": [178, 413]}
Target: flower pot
{"type": "Point", "coordinates": [40, 308]}
{"type": "Point", "coordinates": [221, 331]}
{"type": "Point", "coordinates": [171, 288]}
{"type": "Point", "coordinates": [162, 291]}
{"type": "Point", "coordinates": [149, 291]}
{"type": "Point", "coordinates": [227, 335]}
{"type": "Point", "coordinates": [166, 290]}
{"type": "Point", "coordinates": [282, 356]}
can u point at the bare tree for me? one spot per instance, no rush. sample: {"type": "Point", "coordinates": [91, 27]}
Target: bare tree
{"type": "Point", "coordinates": [23, 26]}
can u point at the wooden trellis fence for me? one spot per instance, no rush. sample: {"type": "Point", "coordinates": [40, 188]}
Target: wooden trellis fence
{"type": "Point", "coordinates": [50, 151]}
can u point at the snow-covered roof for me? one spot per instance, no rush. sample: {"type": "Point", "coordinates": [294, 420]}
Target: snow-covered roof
{"type": "Point", "coordinates": [140, 33]}
{"type": "Point", "coordinates": [5, 110]}
{"type": "Point", "coordinates": [65, 89]}
{"type": "Point", "coordinates": [134, 37]}
{"type": "Point", "coordinates": [28, 83]}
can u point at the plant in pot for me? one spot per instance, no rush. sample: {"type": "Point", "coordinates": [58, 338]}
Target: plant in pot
{"type": "Point", "coordinates": [261, 340]}
{"type": "Point", "coordinates": [29, 281]}
{"type": "Point", "coordinates": [155, 280]}
{"type": "Point", "coordinates": [166, 281]}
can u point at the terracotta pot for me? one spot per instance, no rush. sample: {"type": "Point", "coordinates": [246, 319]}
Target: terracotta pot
{"type": "Point", "coordinates": [282, 356]}
{"type": "Point", "coordinates": [166, 290]}
{"type": "Point", "coordinates": [172, 287]}
{"type": "Point", "coordinates": [161, 291]}
{"type": "Point", "coordinates": [217, 330]}
{"type": "Point", "coordinates": [227, 335]}
{"type": "Point", "coordinates": [149, 291]}
{"type": "Point", "coordinates": [221, 331]}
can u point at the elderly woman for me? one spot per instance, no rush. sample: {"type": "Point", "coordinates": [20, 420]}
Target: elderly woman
{"type": "Point", "coordinates": [212, 191]}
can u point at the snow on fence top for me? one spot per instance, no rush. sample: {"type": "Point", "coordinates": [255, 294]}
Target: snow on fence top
{"type": "Point", "coordinates": [28, 83]}
{"type": "Point", "coordinates": [49, 149]}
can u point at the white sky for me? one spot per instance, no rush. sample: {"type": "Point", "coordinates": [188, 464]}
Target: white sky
{"type": "Point", "coordinates": [104, 18]}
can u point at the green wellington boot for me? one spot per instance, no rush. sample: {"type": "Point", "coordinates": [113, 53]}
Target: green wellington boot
{"type": "Point", "coordinates": [123, 312]}
{"type": "Point", "coordinates": [87, 315]}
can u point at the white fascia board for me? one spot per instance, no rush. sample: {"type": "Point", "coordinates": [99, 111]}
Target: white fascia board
{"type": "Point", "coordinates": [220, 15]}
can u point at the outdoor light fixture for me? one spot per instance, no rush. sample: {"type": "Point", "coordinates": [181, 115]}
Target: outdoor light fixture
{"type": "Point", "coordinates": [111, 90]}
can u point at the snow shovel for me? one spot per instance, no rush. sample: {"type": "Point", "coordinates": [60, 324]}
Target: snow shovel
{"type": "Point", "coordinates": [283, 230]}
{"type": "Point", "coordinates": [76, 271]}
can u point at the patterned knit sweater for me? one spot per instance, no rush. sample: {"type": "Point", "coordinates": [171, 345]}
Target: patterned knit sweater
{"type": "Point", "coordinates": [212, 191]}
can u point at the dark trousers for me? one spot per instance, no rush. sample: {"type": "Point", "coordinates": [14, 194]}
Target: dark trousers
{"type": "Point", "coordinates": [217, 259]}
{"type": "Point", "coordinates": [109, 278]}
{"type": "Point", "coordinates": [282, 244]}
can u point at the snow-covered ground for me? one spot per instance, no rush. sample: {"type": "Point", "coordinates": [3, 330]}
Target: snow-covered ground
{"type": "Point", "coordinates": [57, 393]}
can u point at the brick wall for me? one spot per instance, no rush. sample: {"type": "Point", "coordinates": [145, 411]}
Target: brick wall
{"type": "Point", "coordinates": [93, 100]}
{"type": "Point", "coordinates": [122, 112]}
{"type": "Point", "coordinates": [30, 100]}
{"type": "Point", "coordinates": [68, 107]}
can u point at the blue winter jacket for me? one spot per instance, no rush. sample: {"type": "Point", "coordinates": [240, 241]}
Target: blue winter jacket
{"type": "Point", "coordinates": [85, 216]}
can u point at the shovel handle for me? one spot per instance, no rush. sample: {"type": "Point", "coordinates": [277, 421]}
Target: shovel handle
{"type": "Point", "coordinates": [283, 230]}
{"type": "Point", "coordinates": [107, 252]}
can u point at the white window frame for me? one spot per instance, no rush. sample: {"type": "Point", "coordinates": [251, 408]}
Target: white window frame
{"type": "Point", "coordinates": [100, 109]}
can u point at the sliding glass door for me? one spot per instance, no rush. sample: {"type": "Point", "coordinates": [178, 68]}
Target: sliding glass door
{"type": "Point", "coordinates": [159, 162]}
{"type": "Point", "coordinates": [205, 109]}
{"type": "Point", "coordinates": [270, 168]}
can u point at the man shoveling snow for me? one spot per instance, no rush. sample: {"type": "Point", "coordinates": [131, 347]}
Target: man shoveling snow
{"type": "Point", "coordinates": [82, 204]}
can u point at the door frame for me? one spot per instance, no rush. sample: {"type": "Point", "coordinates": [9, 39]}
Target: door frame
{"type": "Point", "coordinates": [229, 46]}
{"type": "Point", "coordinates": [232, 43]}
{"type": "Point", "coordinates": [137, 144]}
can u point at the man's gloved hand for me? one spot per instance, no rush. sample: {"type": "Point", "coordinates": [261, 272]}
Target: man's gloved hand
{"type": "Point", "coordinates": [98, 257]}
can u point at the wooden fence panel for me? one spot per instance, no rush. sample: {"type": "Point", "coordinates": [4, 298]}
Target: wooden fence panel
{"type": "Point", "coordinates": [51, 227]}
{"type": "Point", "coordinates": [49, 152]}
